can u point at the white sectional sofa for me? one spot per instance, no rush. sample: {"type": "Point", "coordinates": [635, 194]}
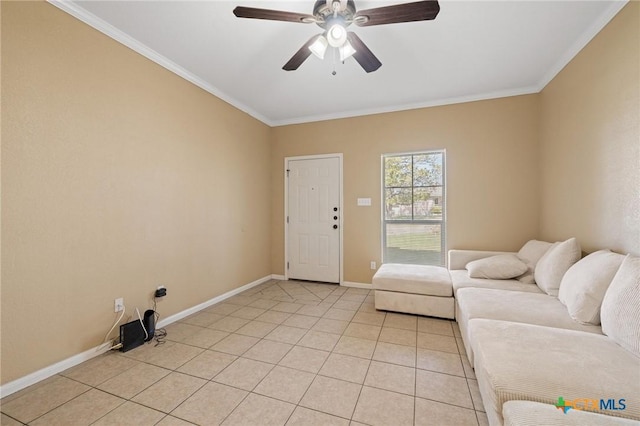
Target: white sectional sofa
{"type": "Point", "coordinates": [539, 340]}
{"type": "Point", "coordinates": [537, 325]}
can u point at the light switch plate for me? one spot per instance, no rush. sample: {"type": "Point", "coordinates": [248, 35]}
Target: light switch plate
{"type": "Point", "coordinates": [364, 201]}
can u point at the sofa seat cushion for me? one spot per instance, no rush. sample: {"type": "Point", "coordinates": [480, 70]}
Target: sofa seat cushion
{"type": "Point", "coordinates": [516, 306]}
{"type": "Point", "coordinates": [414, 279]}
{"type": "Point", "coordinates": [515, 361]}
{"type": "Point", "coordinates": [527, 413]}
{"type": "Point", "coordinates": [460, 279]}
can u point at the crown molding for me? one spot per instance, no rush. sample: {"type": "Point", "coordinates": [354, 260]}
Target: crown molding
{"type": "Point", "coordinates": [90, 19]}
{"type": "Point", "coordinates": [104, 27]}
{"type": "Point", "coordinates": [581, 42]}
{"type": "Point", "coordinates": [406, 107]}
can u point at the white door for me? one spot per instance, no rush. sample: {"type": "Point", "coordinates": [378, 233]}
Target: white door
{"type": "Point", "coordinates": [314, 219]}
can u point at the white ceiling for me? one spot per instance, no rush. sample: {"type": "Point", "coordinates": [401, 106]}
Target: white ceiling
{"type": "Point", "coordinates": [473, 50]}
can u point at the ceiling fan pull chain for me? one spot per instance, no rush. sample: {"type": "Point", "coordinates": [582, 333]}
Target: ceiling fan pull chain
{"type": "Point", "coordinates": [334, 61]}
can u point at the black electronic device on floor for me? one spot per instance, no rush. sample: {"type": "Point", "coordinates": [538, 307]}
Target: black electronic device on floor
{"type": "Point", "coordinates": [150, 323]}
{"type": "Point", "coordinates": [132, 335]}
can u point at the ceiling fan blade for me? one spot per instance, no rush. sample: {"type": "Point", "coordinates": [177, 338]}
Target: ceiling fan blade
{"type": "Point", "coordinates": [300, 56]}
{"type": "Point", "coordinates": [408, 12]}
{"type": "Point", "coordinates": [363, 55]}
{"type": "Point", "coordinates": [272, 15]}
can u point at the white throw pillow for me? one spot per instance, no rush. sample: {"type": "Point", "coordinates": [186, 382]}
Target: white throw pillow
{"type": "Point", "coordinates": [621, 306]}
{"type": "Point", "coordinates": [500, 267]}
{"type": "Point", "coordinates": [554, 263]}
{"type": "Point", "coordinates": [530, 253]}
{"type": "Point", "coordinates": [583, 286]}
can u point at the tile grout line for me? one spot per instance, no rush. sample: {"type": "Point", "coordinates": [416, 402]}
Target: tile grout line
{"type": "Point", "coordinates": [13, 418]}
{"type": "Point", "coordinates": [182, 402]}
{"type": "Point", "coordinates": [206, 381]}
{"type": "Point", "coordinates": [365, 377]}
{"type": "Point", "coordinates": [212, 381]}
{"type": "Point", "coordinates": [318, 372]}
{"type": "Point", "coordinates": [257, 295]}
{"type": "Point", "coordinates": [58, 406]}
{"type": "Point", "coordinates": [112, 410]}
{"type": "Point", "coordinates": [273, 366]}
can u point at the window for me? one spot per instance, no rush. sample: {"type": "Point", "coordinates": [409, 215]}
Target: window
{"type": "Point", "coordinates": [414, 202]}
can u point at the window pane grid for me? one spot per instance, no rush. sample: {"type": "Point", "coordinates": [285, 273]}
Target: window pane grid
{"type": "Point", "coordinates": [413, 225]}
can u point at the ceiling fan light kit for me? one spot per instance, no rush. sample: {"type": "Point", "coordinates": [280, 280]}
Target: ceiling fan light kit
{"type": "Point", "coordinates": [319, 46]}
{"type": "Point", "coordinates": [335, 16]}
{"type": "Point", "coordinates": [346, 51]}
{"type": "Point", "coordinates": [337, 35]}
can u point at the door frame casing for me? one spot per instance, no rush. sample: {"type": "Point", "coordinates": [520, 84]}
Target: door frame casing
{"type": "Point", "coordinates": [286, 208]}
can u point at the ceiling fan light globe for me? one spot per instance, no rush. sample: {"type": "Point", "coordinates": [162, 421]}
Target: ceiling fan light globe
{"type": "Point", "coordinates": [319, 47]}
{"type": "Point", "coordinates": [346, 51]}
{"type": "Point", "coordinates": [337, 35]}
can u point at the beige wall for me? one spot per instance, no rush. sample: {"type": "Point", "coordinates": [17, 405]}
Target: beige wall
{"type": "Point", "coordinates": [117, 176]}
{"type": "Point", "coordinates": [590, 142]}
{"type": "Point", "coordinates": [492, 173]}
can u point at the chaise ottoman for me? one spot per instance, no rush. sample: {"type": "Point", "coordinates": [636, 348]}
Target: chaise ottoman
{"type": "Point", "coordinates": [414, 289]}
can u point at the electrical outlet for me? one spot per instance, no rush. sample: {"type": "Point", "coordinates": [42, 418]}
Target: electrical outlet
{"type": "Point", "coordinates": [119, 304]}
{"type": "Point", "coordinates": [373, 265]}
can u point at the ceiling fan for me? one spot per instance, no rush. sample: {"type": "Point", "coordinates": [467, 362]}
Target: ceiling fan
{"type": "Point", "coordinates": [334, 16]}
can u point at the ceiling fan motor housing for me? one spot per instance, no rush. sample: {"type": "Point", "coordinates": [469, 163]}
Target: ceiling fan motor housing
{"type": "Point", "coordinates": [325, 14]}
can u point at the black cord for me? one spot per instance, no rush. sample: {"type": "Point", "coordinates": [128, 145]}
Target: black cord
{"type": "Point", "coordinates": [160, 333]}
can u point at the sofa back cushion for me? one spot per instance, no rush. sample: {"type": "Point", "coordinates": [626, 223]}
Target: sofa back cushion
{"type": "Point", "coordinates": [500, 267]}
{"type": "Point", "coordinates": [620, 313]}
{"type": "Point", "coordinates": [530, 254]}
{"type": "Point", "coordinates": [554, 263]}
{"type": "Point", "coordinates": [584, 285]}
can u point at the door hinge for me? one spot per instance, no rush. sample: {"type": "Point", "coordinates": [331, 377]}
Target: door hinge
{"type": "Point", "coordinates": [288, 172]}
{"type": "Point", "coordinates": [287, 265]}
{"type": "Point", "coordinates": [287, 219]}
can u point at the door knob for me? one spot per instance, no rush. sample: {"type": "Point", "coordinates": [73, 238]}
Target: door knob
{"type": "Point", "coordinates": [335, 226]}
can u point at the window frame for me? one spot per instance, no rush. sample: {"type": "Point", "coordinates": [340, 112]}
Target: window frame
{"type": "Point", "coordinates": [442, 222]}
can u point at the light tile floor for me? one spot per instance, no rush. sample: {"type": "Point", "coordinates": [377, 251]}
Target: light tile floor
{"type": "Point", "coordinates": [284, 352]}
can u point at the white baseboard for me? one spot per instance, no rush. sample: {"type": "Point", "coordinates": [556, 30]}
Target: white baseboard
{"type": "Point", "coordinates": [180, 315]}
{"type": "Point", "coordinates": [356, 285]}
{"type": "Point", "coordinates": [278, 277]}
{"type": "Point", "coordinates": [44, 373]}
